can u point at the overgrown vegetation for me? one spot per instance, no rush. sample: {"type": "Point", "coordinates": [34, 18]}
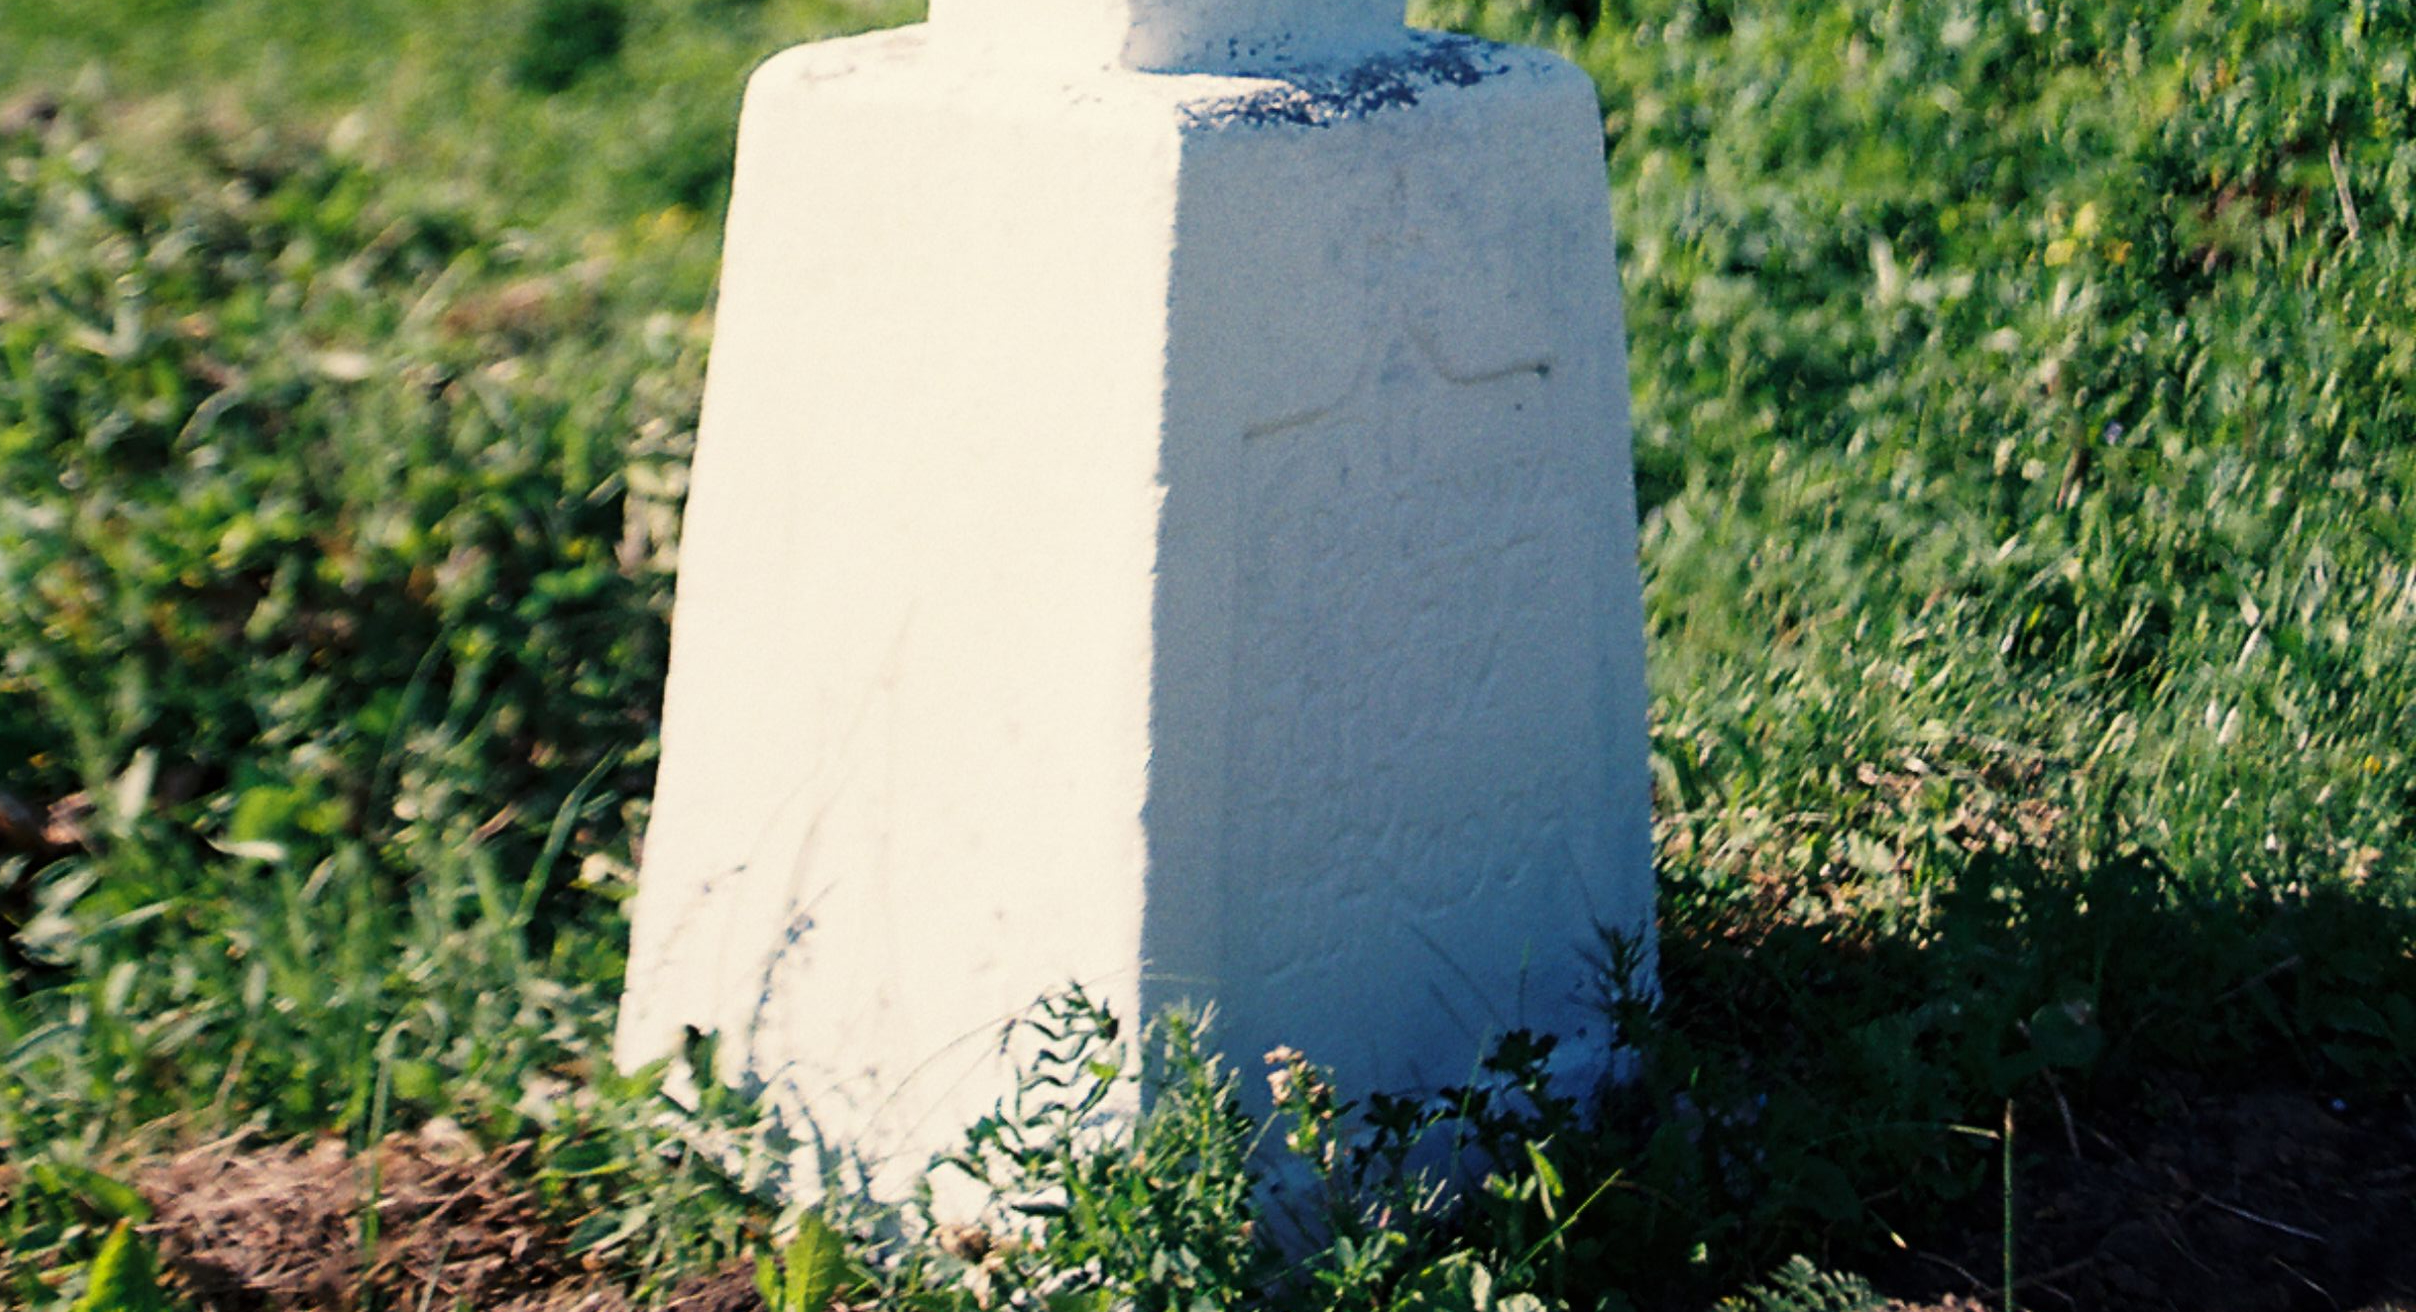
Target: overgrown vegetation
{"type": "Point", "coordinates": [2023, 415]}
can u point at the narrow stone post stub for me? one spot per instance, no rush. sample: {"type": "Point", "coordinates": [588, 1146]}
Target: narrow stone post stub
{"type": "Point", "coordinates": [1171, 35]}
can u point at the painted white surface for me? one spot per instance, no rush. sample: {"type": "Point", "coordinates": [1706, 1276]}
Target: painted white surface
{"type": "Point", "coordinates": [1157, 34]}
{"type": "Point", "coordinates": [1168, 532]}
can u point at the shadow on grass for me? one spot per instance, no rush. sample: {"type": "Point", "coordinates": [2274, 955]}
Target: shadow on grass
{"type": "Point", "coordinates": [2207, 1092]}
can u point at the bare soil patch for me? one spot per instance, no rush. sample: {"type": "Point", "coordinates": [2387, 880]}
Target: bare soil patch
{"type": "Point", "coordinates": [281, 1229]}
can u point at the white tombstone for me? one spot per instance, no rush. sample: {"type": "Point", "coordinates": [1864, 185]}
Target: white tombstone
{"type": "Point", "coordinates": [1162, 520]}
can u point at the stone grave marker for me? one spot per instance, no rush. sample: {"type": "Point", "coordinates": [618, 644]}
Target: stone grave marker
{"type": "Point", "coordinates": [1162, 519]}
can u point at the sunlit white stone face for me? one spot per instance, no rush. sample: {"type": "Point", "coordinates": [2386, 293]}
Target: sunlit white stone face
{"type": "Point", "coordinates": [1169, 35]}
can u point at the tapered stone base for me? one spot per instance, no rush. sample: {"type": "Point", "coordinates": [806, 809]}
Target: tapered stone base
{"type": "Point", "coordinates": [1167, 532]}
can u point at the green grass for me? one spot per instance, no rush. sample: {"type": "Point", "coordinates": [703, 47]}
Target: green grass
{"type": "Point", "coordinates": [2024, 416]}
{"type": "Point", "coordinates": [504, 109]}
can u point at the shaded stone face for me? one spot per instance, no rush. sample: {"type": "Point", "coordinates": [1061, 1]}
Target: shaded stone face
{"type": "Point", "coordinates": [1170, 35]}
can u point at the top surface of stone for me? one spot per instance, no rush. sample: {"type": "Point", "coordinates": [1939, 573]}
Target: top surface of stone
{"type": "Point", "coordinates": [1169, 35]}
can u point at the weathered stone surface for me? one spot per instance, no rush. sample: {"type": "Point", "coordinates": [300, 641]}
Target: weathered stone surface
{"type": "Point", "coordinates": [1171, 532]}
{"type": "Point", "coordinates": [1189, 35]}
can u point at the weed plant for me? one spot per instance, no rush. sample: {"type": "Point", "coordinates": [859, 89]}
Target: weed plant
{"type": "Point", "coordinates": [2022, 403]}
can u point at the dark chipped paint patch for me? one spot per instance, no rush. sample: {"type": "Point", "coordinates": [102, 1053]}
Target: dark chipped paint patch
{"type": "Point", "coordinates": [1319, 95]}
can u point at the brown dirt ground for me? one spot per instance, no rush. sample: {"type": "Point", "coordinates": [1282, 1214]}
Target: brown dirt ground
{"type": "Point", "coordinates": [248, 1229]}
